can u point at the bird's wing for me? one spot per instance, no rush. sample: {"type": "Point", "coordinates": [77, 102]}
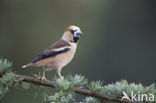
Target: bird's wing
{"type": "Point", "coordinates": [55, 49]}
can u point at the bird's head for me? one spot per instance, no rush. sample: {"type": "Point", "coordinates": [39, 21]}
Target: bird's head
{"type": "Point", "coordinates": [72, 34]}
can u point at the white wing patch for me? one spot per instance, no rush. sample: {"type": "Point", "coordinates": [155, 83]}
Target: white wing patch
{"type": "Point", "coordinates": [62, 48]}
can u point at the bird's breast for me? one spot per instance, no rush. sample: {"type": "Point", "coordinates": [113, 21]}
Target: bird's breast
{"type": "Point", "coordinates": [63, 59]}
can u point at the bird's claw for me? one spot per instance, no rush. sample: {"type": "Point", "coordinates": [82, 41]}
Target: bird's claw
{"type": "Point", "coordinates": [43, 79]}
{"type": "Point", "coordinates": [62, 78]}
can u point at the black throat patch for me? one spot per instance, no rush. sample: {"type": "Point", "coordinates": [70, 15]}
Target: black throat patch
{"type": "Point", "coordinates": [76, 39]}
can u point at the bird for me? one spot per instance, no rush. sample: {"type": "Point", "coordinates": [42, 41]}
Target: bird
{"type": "Point", "coordinates": [59, 54]}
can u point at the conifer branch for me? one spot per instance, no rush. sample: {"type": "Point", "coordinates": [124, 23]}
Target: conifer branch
{"type": "Point", "coordinates": [76, 90]}
{"type": "Point", "coordinates": [72, 85]}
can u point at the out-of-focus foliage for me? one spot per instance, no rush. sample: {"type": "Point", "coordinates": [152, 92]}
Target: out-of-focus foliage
{"type": "Point", "coordinates": [5, 65]}
{"type": "Point", "coordinates": [71, 81]}
{"type": "Point", "coordinates": [8, 79]}
{"type": "Point", "coordinates": [64, 92]}
{"type": "Point", "coordinates": [6, 82]}
{"type": "Point", "coordinates": [95, 86]}
{"type": "Point", "coordinates": [116, 89]}
{"type": "Point", "coordinates": [90, 100]}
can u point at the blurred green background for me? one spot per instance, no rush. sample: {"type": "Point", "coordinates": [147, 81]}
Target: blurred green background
{"type": "Point", "coordinates": [119, 40]}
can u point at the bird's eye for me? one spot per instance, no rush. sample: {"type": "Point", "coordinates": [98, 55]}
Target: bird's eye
{"type": "Point", "coordinates": [72, 31]}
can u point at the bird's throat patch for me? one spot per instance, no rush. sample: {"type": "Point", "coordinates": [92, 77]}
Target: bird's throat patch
{"type": "Point", "coordinates": [76, 39]}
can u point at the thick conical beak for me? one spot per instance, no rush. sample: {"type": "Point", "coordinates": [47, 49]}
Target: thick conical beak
{"type": "Point", "coordinates": [77, 33]}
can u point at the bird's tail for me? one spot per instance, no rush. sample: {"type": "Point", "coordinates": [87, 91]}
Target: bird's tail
{"type": "Point", "coordinates": [28, 65]}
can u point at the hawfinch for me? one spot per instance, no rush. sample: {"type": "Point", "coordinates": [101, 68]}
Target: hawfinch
{"type": "Point", "coordinates": [58, 54]}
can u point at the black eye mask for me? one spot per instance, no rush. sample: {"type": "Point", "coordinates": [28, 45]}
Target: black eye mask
{"type": "Point", "coordinates": [72, 31]}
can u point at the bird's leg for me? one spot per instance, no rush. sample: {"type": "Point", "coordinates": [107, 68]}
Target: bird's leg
{"type": "Point", "coordinates": [43, 75]}
{"type": "Point", "coordinates": [59, 73]}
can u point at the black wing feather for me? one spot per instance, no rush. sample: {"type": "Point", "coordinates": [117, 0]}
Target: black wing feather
{"type": "Point", "coordinates": [49, 54]}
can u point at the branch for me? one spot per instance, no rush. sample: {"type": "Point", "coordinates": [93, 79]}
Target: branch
{"type": "Point", "coordinates": [76, 90]}
{"type": "Point", "coordinates": [10, 78]}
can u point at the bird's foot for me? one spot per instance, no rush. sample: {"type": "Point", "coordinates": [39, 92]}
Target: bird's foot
{"type": "Point", "coordinates": [43, 79]}
{"type": "Point", "coordinates": [62, 78]}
